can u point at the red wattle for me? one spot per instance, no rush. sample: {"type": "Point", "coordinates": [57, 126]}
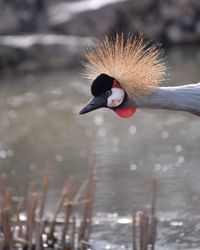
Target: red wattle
{"type": "Point", "coordinates": [125, 112]}
{"type": "Point", "coordinates": [116, 85]}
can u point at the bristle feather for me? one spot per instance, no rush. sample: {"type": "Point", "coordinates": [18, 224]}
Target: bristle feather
{"type": "Point", "coordinates": [136, 65]}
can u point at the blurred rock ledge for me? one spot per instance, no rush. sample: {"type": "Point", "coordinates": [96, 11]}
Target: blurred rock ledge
{"type": "Point", "coordinates": [168, 21]}
{"type": "Point", "coordinates": [41, 51]}
{"type": "Point", "coordinates": [69, 22]}
{"type": "Point", "coordinates": [87, 17]}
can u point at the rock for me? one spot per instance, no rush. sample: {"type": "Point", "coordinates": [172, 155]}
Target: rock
{"type": "Point", "coordinates": [176, 34]}
{"type": "Point", "coordinates": [195, 4]}
{"type": "Point", "coordinates": [95, 18]}
{"type": "Point", "coordinates": [20, 16]}
{"type": "Point", "coordinates": [8, 21]}
{"type": "Point", "coordinates": [141, 6]}
{"type": "Point", "coordinates": [86, 20]}
{"type": "Point", "coordinates": [167, 21]}
{"type": "Point", "coordinates": [153, 28]}
{"type": "Point", "coordinates": [32, 52]}
{"type": "Point", "coordinates": [180, 12]}
{"type": "Point", "coordinates": [197, 28]}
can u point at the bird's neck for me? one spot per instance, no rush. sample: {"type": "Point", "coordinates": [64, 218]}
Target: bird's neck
{"type": "Point", "coordinates": [182, 98]}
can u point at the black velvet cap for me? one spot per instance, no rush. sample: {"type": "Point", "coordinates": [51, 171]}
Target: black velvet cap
{"type": "Point", "coordinates": [101, 84]}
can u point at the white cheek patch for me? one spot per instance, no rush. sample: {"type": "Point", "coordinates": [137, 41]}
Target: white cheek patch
{"type": "Point", "coordinates": [116, 98]}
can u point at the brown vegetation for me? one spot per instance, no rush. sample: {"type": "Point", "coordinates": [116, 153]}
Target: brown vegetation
{"type": "Point", "coordinates": [24, 224]}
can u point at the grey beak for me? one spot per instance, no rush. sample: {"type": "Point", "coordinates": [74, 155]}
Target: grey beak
{"type": "Point", "coordinates": [96, 103]}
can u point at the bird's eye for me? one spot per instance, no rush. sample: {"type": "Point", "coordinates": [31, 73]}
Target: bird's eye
{"type": "Point", "coordinates": [108, 93]}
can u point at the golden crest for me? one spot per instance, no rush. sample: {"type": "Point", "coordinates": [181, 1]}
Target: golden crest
{"type": "Point", "coordinates": [138, 66]}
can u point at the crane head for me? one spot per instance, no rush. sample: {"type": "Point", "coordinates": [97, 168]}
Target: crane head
{"type": "Point", "coordinates": [107, 93]}
{"type": "Point", "coordinates": [122, 70]}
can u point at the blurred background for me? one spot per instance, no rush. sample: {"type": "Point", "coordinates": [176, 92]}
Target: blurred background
{"type": "Point", "coordinates": [42, 43]}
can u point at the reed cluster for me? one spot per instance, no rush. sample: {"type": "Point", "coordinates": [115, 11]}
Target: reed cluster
{"type": "Point", "coordinates": [24, 224]}
{"type": "Point", "coordinates": [144, 225]}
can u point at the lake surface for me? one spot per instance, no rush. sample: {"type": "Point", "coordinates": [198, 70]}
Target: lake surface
{"type": "Point", "coordinates": [40, 127]}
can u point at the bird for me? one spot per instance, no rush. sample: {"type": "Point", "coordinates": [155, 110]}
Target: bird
{"type": "Point", "coordinates": [126, 73]}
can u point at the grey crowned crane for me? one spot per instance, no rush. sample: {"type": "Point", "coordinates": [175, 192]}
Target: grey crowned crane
{"type": "Point", "coordinates": [125, 75]}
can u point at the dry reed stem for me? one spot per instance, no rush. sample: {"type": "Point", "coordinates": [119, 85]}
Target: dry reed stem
{"type": "Point", "coordinates": [7, 197]}
{"type": "Point", "coordinates": [73, 233]}
{"type": "Point", "coordinates": [134, 229]}
{"type": "Point", "coordinates": [91, 190]}
{"type": "Point", "coordinates": [30, 190]}
{"type": "Point", "coordinates": [19, 209]}
{"type": "Point", "coordinates": [6, 227]}
{"type": "Point", "coordinates": [57, 210]}
{"type": "Point", "coordinates": [146, 231]}
{"type": "Point", "coordinates": [80, 192]}
{"type": "Point", "coordinates": [152, 233]}
{"type": "Point", "coordinates": [3, 179]}
{"type": "Point", "coordinates": [68, 208]}
{"type": "Point", "coordinates": [145, 226]}
{"type": "Point", "coordinates": [2, 191]}
{"type": "Point", "coordinates": [38, 235]}
{"type": "Point", "coordinates": [6, 218]}
{"type": "Point", "coordinates": [85, 228]}
{"type": "Point", "coordinates": [141, 225]}
{"type": "Point", "coordinates": [31, 218]}
{"type": "Point", "coordinates": [73, 201]}
{"type": "Point", "coordinates": [66, 224]}
{"type": "Point", "coordinates": [84, 245]}
{"type": "Point", "coordinates": [45, 187]}
{"type": "Point", "coordinates": [67, 246]}
{"type": "Point", "coordinates": [40, 225]}
{"type": "Point", "coordinates": [154, 198]}
{"type": "Point", "coordinates": [20, 240]}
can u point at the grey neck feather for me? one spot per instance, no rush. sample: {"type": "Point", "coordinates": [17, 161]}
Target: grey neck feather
{"type": "Point", "coordinates": [181, 98]}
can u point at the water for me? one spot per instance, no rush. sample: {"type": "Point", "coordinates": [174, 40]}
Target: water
{"type": "Point", "coordinates": [40, 127]}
